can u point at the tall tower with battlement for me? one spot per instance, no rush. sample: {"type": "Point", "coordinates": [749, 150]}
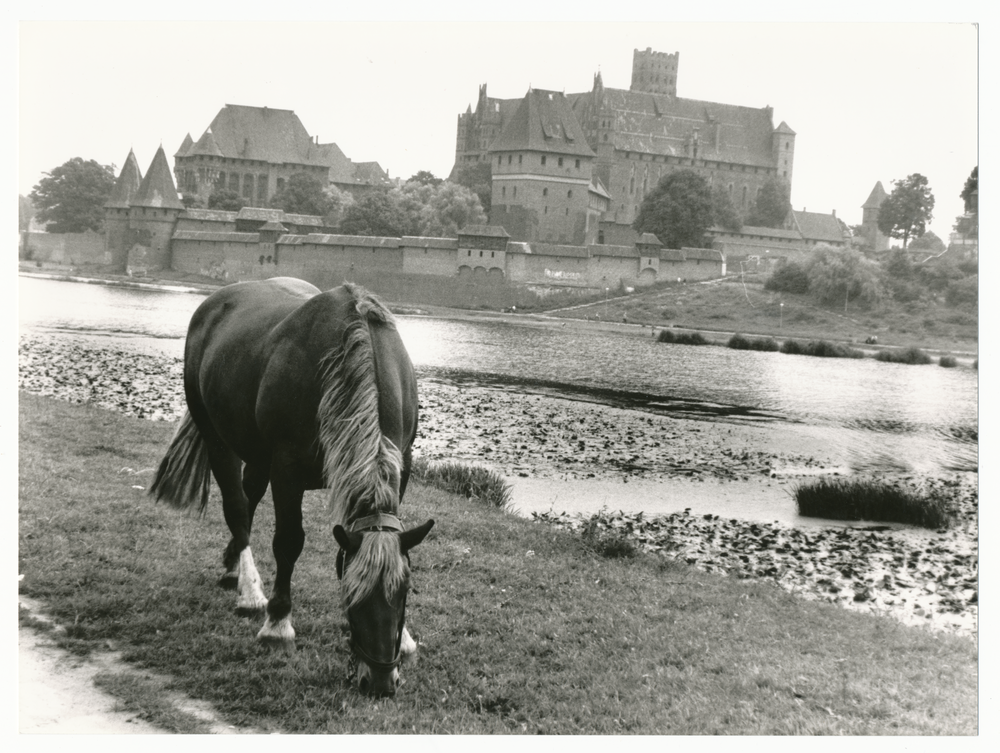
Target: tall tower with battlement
{"type": "Point", "coordinates": [654, 72]}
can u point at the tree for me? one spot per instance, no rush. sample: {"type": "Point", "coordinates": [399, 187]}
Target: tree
{"type": "Point", "coordinates": [968, 224]}
{"type": "Point", "coordinates": [724, 214]}
{"type": "Point", "coordinates": [478, 178]}
{"type": "Point", "coordinates": [192, 200]}
{"type": "Point", "coordinates": [71, 198]}
{"type": "Point", "coordinates": [226, 200]}
{"type": "Point", "coordinates": [302, 194]}
{"type": "Point", "coordinates": [375, 213]}
{"type": "Point", "coordinates": [437, 210]}
{"type": "Point", "coordinates": [772, 205]}
{"type": "Point", "coordinates": [338, 202]}
{"type": "Point", "coordinates": [678, 211]}
{"type": "Point", "coordinates": [425, 178]}
{"type": "Point", "coordinates": [907, 210]}
{"type": "Point", "coordinates": [843, 274]}
{"type": "Point", "coordinates": [929, 242]}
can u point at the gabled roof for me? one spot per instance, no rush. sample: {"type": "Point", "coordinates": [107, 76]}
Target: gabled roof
{"type": "Point", "coordinates": [206, 146]}
{"type": "Point", "coordinates": [186, 144]}
{"type": "Point", "coordinates": [127, 185]}
{"type": "Point", "coordinates": [543, 122]}
{"type": "Point", "coordinates": [876, 197]}
{"type": "Point", "coordinates": [818, 227]}
{"type": "Point", "coordinates": [157, 188]}
{"type": "Point", "coordinates": [783, 128]}
{"type": "Point", "coordinates": [596, 186]}
{"type": "Point", "coordinates": [264, 134]}
{"type": "Point", "coordinates": [648, 239]}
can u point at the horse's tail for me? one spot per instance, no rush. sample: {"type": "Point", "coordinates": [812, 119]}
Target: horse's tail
{"type": "Point", "coordinates": [184, 475]}
{"type": "Point", "coordinates": [360, 465]}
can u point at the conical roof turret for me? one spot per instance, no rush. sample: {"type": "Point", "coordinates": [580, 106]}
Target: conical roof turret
{"type": "Point", "coordinates": [206, 146]}
{"type": "Point", "coordinates": [127, 185]}
{"type": "Point", "coordinates": [185, 146]}
{"type": "Point", "coordinates": [157, 188]}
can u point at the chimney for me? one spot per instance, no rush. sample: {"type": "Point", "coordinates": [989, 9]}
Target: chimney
{"type": "Point", "coordinates": [834, 212]}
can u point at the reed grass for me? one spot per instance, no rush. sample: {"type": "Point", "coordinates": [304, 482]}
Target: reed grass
{"type": "Point", "coordinates": [470, 481]}
{"type": "Point", "coordinates": [681, 338]}
{"type": "Point", "coordinates": [820, 349]}
{"type": "Point", "coordinates": [913, 356]}
{"type": "Point", "coordinates": [948, 362]}
{"type": "Point", "coordinates": [742, 342]}
{"type": "Point", "coordinates": [869, 499]}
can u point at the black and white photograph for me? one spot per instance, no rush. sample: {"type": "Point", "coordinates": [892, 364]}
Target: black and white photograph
{"type": "Point", "coordinates": [569, 371]}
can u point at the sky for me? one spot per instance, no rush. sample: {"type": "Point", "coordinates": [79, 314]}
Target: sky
{"type": "Point", "coordinates": [869, 101]}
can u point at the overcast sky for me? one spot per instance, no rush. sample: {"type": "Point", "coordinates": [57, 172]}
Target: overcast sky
{"type": "Point", "coordinates": [869, 102]}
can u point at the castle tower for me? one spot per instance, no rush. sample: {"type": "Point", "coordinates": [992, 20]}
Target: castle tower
{"type": "Point", "coordinates": [783, 151]}
{"type": "Point", "coordinates": [542, 172]}
{"type": "Point", "coordinates": [153, 213]}
{"type": "Point", "coordinates": [116, 213]}
{"type": "Point", "coordinates": [654, 72]}
{"type": "Point", "coordinates": [869, 219]}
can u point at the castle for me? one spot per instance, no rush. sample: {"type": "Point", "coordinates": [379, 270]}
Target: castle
{"type": "Point", "coordinates": [574, 168]}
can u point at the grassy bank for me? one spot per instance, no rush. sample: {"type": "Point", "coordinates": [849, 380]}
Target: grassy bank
{"type": "Point", "coordinates": [523, 628]}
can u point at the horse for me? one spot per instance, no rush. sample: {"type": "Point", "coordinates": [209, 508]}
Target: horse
{"type": "Point", "coordinates": [303, 389]}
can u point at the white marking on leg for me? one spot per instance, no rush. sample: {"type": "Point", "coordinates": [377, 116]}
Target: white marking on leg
{"type": "Point", "coordinates": [281, 630]}
{"type": "Point", "coordinates": [407, 646]}
{"type": "Point", "coordinates": [251, 592]}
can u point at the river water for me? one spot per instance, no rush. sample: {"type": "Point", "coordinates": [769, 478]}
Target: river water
{"type": "Point", "coordinates": [871, 415]}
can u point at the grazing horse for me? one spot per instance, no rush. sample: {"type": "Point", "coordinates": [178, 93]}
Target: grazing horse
{"type": "Point", "coordinates": [304, 390]}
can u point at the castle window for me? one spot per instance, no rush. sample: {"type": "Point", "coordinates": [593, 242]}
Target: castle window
{"type": "Point", "coordinates": [744, 197]}
{"type": "Point", "coordinates": [787, 145]}
{"type": "Point", "coordinates": [493, 254]}
{"type": "Point", "coordinates": [503, 191]}
{"type": "Point", "coordinates": [569, 194]}
{"type": "Point", "coordinates": [520, 158]}
{"type": "Point", "coordinates": [560, 161]}
{"type": "Point", "coordinates": [545, 192]}
{"type": "Point", "coordinates": [605, 137]}
{"type": "Point", "coordinates": [515, 192]}
{"type": "Point", "coordinates": [546, 210]}
{"type": "Point", "coordinates": [543, 159]}
{"type": "Point", "coordinates": [262, 188]}
{"type": "Point", "coordinates": [578, 164]}
{"type": "Point", "coordinates": [220, 182]}
{"type": "Point", "coordinates": [248, 186]}
{"type": "Point", "coordinates": [281, 184]}
{"type": "Point", "coordinates": [470, 252]}
{"type": "Point", "coordinates": [567, 211]}
{"type": "Point", "coordinates": [510, 158]}
{"type": "Point", "coordinates": [499, 160]}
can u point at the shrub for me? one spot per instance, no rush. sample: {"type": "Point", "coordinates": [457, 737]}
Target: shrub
{"type": "Point", "coordinates": [471, 481]}
{"type": "Point", "coordinates": [949, 362]}
{"type": "Point", "coordinates": [789, 277]}
{"type": "Point", "coordinates": [820, 349]}
{"type": "Point", "coordinates": [964, 292]}
{"type": "Point", "coordinates": [681, 338]}
{"type": "Point", "coordinates": [613, 544]}
{"type": "Point", "coordinates": [739, 342]}
{"type": "Point", "coordinates": [913, 356]}
{"type": "Point", "coordinates": [864, 499]}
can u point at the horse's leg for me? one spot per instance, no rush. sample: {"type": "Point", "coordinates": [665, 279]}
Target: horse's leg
{"type": "Point", "coordinates": [407, 646]}
{"type": "Point", "coordinates": [255, 480]}
{"type": "Point", "coordinates": [288, 541]}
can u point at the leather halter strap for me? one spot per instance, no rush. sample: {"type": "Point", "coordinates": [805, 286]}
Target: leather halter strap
{"type": "Point", "coordinates": [378, 520]}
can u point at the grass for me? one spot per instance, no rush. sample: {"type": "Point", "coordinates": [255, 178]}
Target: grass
{"type": "Point", "coordinates": [867, 499]}
{"type": "Point", "coordinates": [948, 362]}
{"type": "Point", "coordinates": [913, 356]}
{"type": "Point", "coordinates": [472, 482]}
{"type": "Point", "coordinates": [681, 338]}
{"type": "Point", "coordinates": [820, 349]}
{"type": "Point", "coordinates": [741, 342]}
{"type": "Point", "coordinates": [523, 628]}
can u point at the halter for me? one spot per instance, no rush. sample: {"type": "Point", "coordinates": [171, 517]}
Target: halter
{"type": "Point", "coordinates": [378, 522]}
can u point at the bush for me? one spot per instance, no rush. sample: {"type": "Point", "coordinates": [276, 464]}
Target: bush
{"type": "Point", "coordinates": [964, 292]}
{"type": "Point", "coordinates": [862, 499]}
{"type": "Point", "coordinates": [913, 356]}
{"type": "Point", "coordinates": [681, 338]}
{"type": "Point", "coordinates": [789, 277]}
{"type": "Point", "coordinates": [471, 481]}
{"type": "Point", "coordinates": [739, 342]}
{"type": "Point", "coordinates": [820, 349]}
{"type": "Point", "coordinates": [949, 362]}
{"type": "Point", "coordinates": [607, 542]}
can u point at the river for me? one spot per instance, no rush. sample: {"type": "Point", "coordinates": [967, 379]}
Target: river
{"type": "Point", "coordinates": [868, 415]}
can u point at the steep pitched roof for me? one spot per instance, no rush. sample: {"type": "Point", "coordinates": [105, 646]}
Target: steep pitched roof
{"type": "Point", "coordinates": [876, 197]}
{"type": "Point", "coordinates": [206, 145]}
{"type": "Point", "coordinates": [127, 184]}
{"type": "Point", "coordinates": [783, 128]}
{"type": "Point", "coordinates": [157, 188]}
{"type": "Point", "coordinates": [818, 227]}
{"type": "Point", "coordinates": [186, 144]}
{"type": "Point", "coordinates": [543, 122]}
{"type": "Point", "coordinates": [264, 134]}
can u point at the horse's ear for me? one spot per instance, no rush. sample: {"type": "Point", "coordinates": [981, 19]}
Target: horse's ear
{"type": "Point", "coordinates": [409, 539]}
{"type": "Point", "coordinates": [349, 542]}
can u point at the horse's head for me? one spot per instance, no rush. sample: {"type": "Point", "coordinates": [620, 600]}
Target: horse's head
{"type": "Point", "coordinates": [375, 578]}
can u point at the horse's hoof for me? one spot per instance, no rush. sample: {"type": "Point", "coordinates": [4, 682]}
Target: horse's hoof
{"type": "Point", "coordinates": [229, 581]}
{"type": "Point", "coordinates": [278, 645]}
{"type": "Point", "coordinates": [250, 608]}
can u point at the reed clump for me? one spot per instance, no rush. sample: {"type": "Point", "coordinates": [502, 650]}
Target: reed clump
{"type": "Point", "coordinates": [742, 342]}
{"type": "Point", "coordinates": [913, 356]}
{"type": "Point", "coordinates": [681, 338]}
{"type": "Point", "coordinates": [870, 499]}
{"type": "Point", "coordinates": [820, 349]}
{"type": "Point", "coordinates": [471, 481]}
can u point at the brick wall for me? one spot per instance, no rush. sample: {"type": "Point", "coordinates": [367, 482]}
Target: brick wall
{"type": "Point", "coordinates": [65, 248]}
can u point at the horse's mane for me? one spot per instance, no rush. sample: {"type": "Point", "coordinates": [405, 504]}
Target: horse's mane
{"type": "Point", "coordinates": [361, 466]}
{"type": "Point", "coordinates": [378, 559]}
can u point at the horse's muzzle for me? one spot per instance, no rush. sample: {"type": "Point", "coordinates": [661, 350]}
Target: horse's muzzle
{"type": "Point", "coordinates": [379, 684]}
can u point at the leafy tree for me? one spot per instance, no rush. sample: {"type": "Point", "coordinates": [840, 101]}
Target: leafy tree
{"type": "Point", "coordinates": [968, 224]}
{"type": "Point", "coordinates": [789, 277]}
{"type": "Point", "coordinates": [772, 205]}
{"type": "Point", "coordinates": [303, 193]}
{"type": "Point", "coordinates": [25, 211]}
{"type": "Point", "coordinates": [724, 214]}
{"type": "Point", "coordinates": [425, 178]}
{"type": "Point", "coordinates": [907, 210]}
{"type": "Point", "coordinates": [478, 178]}
{"type": "Point", "coordinates": [192, 200]}
{"type": "Point", "coordinates": [929, 242]}
{"type": "Point", "coordinates": [375, 213]}
{"type": "Point", "coordinates": [678, 211]}
{"type": "Point", "coordinates": [226, 200]}
{"type": "Point", "coordinates": [437, 210]}
{"type": "Point", "coordinates": [338, 202]}
{"type": "Point", "coordinates": [71, 198]}
{"type": "Point", "coordinates": [843, 274]}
